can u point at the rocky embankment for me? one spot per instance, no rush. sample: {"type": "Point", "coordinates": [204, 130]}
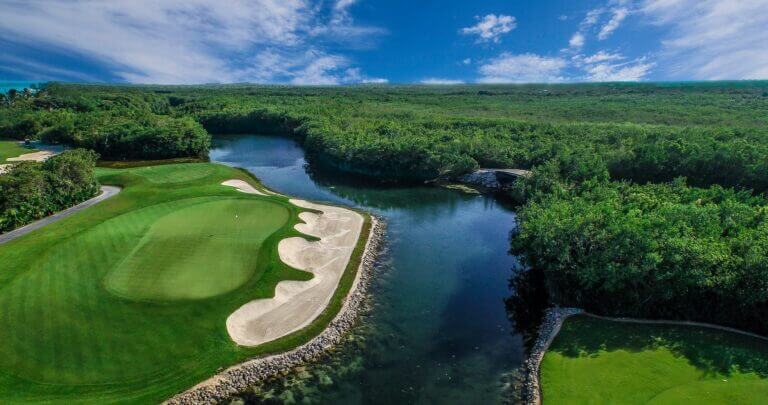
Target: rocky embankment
{"type": "Point", "coordinates": [237, 378]}
{"type": "Point", "coordinates": [550, 326]}
{"type": "Point", "coordinates": [483, 178]}
{"type": "Point", "coordinates": [492, 179]}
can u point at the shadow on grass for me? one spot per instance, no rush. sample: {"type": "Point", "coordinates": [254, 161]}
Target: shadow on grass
{"type": "Point", "coordinates": [711, 351]}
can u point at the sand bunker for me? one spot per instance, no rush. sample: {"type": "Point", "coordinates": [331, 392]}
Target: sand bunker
{"type": "Point", "coordinates": [242, 186]}
{"type": "Point", "coordinates": [35, 156]}
{"type": "Point", "coordinates": [297, 303]}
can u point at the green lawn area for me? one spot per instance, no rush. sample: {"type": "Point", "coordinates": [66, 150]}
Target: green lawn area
{"type": "Point", "coordinates": [12, 148]}
{"type": "Point", "coordinates": [594, 361]}
{"type": "Point", "coordinates": [127, 301]}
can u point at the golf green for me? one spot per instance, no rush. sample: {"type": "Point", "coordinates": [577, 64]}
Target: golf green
{"type": "Point", "coordinates": [191, 248]}
{"type": "Point", "coordinates": [127, 300]}
{"type": "Point", "coordinates": [594, 361]}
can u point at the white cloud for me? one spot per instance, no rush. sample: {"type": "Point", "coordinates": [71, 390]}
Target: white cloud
{"type": "Point", "coordinates": [467, 61]}
{"type": "Point", "coordinates": [341, 27]}
{"type": "Point", "coordinates": [592, 17]}
{"type": "Point", "coordinates": [184, 41]}
{"type": "Point", "coordinates": [375, 80]}
{"type": "Point", "coordinates": [323, 70]}
{"type": "Point", "coordinates": [712, 39]}
{"type": "Point", "coordinates": [343, 4]}
{"type": "Point", "coordinates": [434, 80]}
{"type": "Point", "coordinates": [618, 72]}
{"type": "Point", "coordinates": [603, 56]}
{"type": "Point", "coordinates": [618, 15]}
{"type": "Point", "coordinates": [524, 68]}
{"type": "Point", "coordinates": [607, 66]}
{"type": "Point", "coordinates": [562, 17]}
{"type": "Point", "coordinates": [491, 27]}
{"type": "Point", "coordinates": [577, 40]}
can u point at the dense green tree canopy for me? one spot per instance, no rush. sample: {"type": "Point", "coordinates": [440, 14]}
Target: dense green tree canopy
{"type": "Point", "coordinates": [32, 190]}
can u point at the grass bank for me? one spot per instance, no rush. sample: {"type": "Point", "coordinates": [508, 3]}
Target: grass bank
{"type": "Point", "coordinates": [601, 361]}
{"type": "Point", "coordinates": [12, 148]}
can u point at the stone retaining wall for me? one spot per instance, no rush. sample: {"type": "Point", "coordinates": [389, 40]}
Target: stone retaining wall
{"type": "Point", "coordinates": [550, 326]}
{"type": "Point", "coordinates": [553, 321]}
{"type": "Point", "coordinates": [239, 377]}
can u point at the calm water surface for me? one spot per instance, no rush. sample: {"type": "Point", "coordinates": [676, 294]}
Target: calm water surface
{"type": "Point", "coordinates": [438, 331]}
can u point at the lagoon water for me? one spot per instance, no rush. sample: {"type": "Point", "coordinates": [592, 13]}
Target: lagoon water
{"type": "Point", "coordinates": [438, 331]}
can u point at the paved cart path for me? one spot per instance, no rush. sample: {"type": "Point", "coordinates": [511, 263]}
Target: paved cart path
{"type": "Point", "coordinates": [106, 192]}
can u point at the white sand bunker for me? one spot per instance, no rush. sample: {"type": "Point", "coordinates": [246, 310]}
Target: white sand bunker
{"type": "Point", "coordinates": [297, 303]}
{"type": "Point", "coordinates": [35, 156]}
{"type": "Point", "coordinates": [242, 186]}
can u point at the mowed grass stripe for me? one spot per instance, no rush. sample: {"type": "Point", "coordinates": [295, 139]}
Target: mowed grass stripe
{"type": "Point", "coordinates": [65, 338]}
{"type": "Point", "coordinates": [600, 361]}
{"type": "Point", "coordinates": [208, 257]}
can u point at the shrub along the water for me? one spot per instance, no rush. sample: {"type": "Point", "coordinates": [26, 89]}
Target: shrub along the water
{"type": "Point", "coordinates": [656, 250]}
{"type": "Point", "coordinates": [32, 190]}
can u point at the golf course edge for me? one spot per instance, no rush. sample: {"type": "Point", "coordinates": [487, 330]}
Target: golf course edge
{"type": "Point", "coordinates": [347, 302]}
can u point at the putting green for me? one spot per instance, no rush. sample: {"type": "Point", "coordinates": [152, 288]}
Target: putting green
{"type": "Point", "coordinates": [594, 361]}
{"type": "Point", "coordinates": [168, 174]}
{"type": "Point", "coordinates": [193, 252]}
{"type": "Point", "coordinates": [127, 301]}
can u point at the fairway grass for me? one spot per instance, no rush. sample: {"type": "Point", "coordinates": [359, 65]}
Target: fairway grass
{"type": "Point", "coordinates": [594, 361]}
{"type": "Point", "coordinates": [12, 148]}
{"type": "Point", "coordinates": [127, 301]}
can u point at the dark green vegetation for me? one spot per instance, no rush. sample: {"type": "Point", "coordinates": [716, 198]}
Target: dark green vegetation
{"type": "Point", "coordinates": [135, 125]}
{"type": "Point", "coordinates": [599, 361]}
{"type": "Point", "coordinates": [83, 321]}
{"type": "Point", "coordinates": [32, 190]}
{"type": "Point", "coordinates": [709, 132]}
{"type": "Point", "coordinates": [660, 250]}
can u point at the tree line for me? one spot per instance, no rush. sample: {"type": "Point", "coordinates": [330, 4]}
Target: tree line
{"type": "Point", "coordinates": [646, 199]}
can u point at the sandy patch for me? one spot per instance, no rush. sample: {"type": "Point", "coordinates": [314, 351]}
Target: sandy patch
{"type": "Point", "coordinates": [242, 186]}
{"type": "Point", "coordinates": [297, 303]}
{"type": "Point", "coordinates": [35, 156]}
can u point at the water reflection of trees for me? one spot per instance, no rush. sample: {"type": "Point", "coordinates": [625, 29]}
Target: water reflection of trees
{"type": "Point", "coordinates": [527, 302]}
{"type": "Point", "coordinates": [711, 351]}
{"type": "Point", "coordinates": [432, 202]}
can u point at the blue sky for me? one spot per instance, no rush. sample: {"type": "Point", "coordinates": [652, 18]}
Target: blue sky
{"type": "Point", "coordinates": [376, 41]}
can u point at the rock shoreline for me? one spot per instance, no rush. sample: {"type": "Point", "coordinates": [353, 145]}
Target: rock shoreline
{"type": "Point", "coordinates": [239, 377]}
{"type": "Point", "coordinates": [553, 320]}
{"type": "Point", "coordinates": [530, 389]}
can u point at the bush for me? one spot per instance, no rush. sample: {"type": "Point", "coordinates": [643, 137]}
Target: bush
{"type": "Point", "coordinates": [660, 251]}
{"type": "Point", "coordinates": [32, 190]}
